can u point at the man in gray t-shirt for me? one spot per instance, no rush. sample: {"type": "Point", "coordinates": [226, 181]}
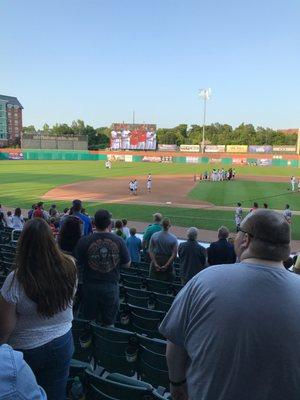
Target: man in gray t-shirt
{"type": "Point", "coordinates": [163, 250]}
{"type": "Point", "coordinates": [234, 330]}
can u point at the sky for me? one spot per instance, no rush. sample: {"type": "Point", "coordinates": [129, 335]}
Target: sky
{"type": "Point", "coordinates": [98, 60]}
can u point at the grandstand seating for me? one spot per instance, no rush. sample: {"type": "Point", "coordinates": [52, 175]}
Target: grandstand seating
{"type": "Point", "coordinates": [119, 387]}
{"type": "Point", "coordinates": [118, 350]}
{"type": "Point", "coordinates": [132, 360]}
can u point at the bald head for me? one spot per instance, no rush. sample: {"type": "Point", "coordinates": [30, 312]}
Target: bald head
{"type": "Point", "coordinates": [264, 234]}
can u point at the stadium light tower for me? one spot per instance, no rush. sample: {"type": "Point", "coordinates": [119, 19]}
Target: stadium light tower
{"type": "Point", "coordinates": [205, 95]}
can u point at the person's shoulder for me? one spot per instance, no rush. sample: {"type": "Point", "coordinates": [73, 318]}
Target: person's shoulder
{"type": "Point", "coordinates": [156, 234]}
{"type": "Point", "coordinates": [174, 237]}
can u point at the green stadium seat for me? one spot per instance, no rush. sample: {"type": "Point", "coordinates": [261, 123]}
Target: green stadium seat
{"type": "Point", "coordinates": [82, 340]}
{"type": "Point", "coordinates": [117, 387]}
{"type": "Point", "coordinates": [153, 344]}
{"type": "Point", "coordinates": [153, 367]}
{"type": "Point", "coordinates": [114, 349]}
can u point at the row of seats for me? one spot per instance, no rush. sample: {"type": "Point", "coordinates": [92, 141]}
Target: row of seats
{"type": "Point", "coordinates": [146, 299]}
{"type": "Point", "coordinates": [148, 284]}
{"type": "Point", "coordinates": [122, 351]}
{"type": "Point", "coordinates": [115, 386]}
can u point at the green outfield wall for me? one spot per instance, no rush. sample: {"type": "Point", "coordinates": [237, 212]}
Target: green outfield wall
{"type": "Point", "coordinates": [279, 160]}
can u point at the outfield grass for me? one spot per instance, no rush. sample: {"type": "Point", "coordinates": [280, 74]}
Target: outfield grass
{"type": "Point", "coordinates": [275, 194]}
{"type": "Point", "coordinates": [24, 182]}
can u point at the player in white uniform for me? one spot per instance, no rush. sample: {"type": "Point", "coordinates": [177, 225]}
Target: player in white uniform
{"type": "Point", "coordinates": [149, 183]}
{"type": "Point", "coordinates": [135, 187]}
{"type": "Point", "coordinates": [115, 140]}
{"type": "Point", "coordinates": [287, 213]}
{"type": "Point", "coordinates": [238, 216]}
{"type": "Point", "coordinates": [293, 183]}
{"type": "Point", "coordinates": [131, 187]}
{"type": "Point", "coordinates": [125, 135]}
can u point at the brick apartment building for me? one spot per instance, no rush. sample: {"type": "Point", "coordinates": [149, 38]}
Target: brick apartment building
{"type": "Point", "coordinates": [10, 120]}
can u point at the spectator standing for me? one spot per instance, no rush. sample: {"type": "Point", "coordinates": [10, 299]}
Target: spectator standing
{"type": "Point", "coordinates": [17, 219]}
{"type": "Point", "coordinates": [192, 256]}
{"type": "Point", "coordinates": [238, 216]}
{"type": "Point", "coordinates": [227, 328]}
{"type": "Point", "coordinates": [53, 211]}
{"type": "Point", "coordinates": [3, 223]}
{"type": "Point", "coordinates": [16, 377]}
{"type": "Point", "coordinates": [134, 245]}
{"type": "Point", "coordinates": [287, 213]}
{"type": "Point", "coordinates": [36, 307]}
{"type": "Point", "coordinates": [254, 208]}
{"type": "Point", "coordinates": [163, 250]}
{"type": "Point", "coordinates": [87, 225]}
{"type": "Point", "coordinates": [125, 228]}
{"type": "Point", "coordinates": [39, 212]}
{"type": "Point", "coordinates": [221, 252]}
{"type": "Point", "coordinates": [70, 234]}
{"type": "Point", "coordinates": [30, 212]}
{"type": "Point", "coordinates": [119, 229]}
{"type": "Point", "coordinates": [100, 255]}
{"type": "Point", "coordinates": [155, 227]}
{"type": "Point", "coordinates": [9, 219]}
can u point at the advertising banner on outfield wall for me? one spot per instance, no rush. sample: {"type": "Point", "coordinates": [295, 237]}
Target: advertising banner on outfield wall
{"type": "Point", "coordinates": [192, 148]}
{"type": "Point", "coordinates": [167, 159]}
{"type": "Point", "coordinates": [151, 159]}
{"type": "Point", "coordinates": [260, 149]}
{"type": "Point", "coordinates": [239, 161]}
{"type": "Point", "coordinates": [16, 156]}
{"type": "Point", "coordinates": [128, 158]}
{"type": "Point", "coordinates": [236, 148]}
{"type": "Point", "coordinates": [264, 161]}
{"type": "Point", "coordinates": [115, 157]}
{"type": "Point", "coordinates": [167, 147]}
{"type": "Point", "coordinates": [215, 148]}
{"type": "Point", "coordinates": [284, 149]}
{"type": "Point", "coordinates": [192, 160]}
{"type": "Point", "coordinates": [215, 160]}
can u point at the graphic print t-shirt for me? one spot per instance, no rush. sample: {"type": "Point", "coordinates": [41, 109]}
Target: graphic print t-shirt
{"type": "Point", "coordinates": [101, 255]}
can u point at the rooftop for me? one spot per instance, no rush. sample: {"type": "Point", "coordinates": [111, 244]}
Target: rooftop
{"type": "Point", "coordinates": [11, 100]}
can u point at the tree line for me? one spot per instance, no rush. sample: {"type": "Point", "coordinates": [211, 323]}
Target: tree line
{"type": "Point", "coordinates": [182, 134]}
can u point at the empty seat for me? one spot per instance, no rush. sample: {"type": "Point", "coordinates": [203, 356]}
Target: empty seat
{"type": "Point", "coordinates": [114, 349]}
{"type": "Point", "coordinates": [82, 340]}
{"type": "Point", "coordinates": [118, 387]}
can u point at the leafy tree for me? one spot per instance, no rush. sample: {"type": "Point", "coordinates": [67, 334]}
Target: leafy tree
{"type": "Point", "coordinates": [62, 129]}
{"type": "Point", "coordinates": [46, 128]}
{"type": "Point", "coordinates": [78, 127]}
{"type": "Point", "coordinates": [29, 129]}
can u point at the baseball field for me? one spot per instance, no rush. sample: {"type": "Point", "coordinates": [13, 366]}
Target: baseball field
{"type": "Point", "coordinates": [175, 193]}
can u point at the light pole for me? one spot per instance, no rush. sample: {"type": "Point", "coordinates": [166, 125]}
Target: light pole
{"type": "Point", "coordinates": [205, 95]}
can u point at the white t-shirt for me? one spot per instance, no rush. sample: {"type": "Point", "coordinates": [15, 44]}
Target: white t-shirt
{"type": "Point", "coordinates": [32, 330]}
{"type": "Point", "coordinates": [17, 222]}
{"type": "Point", "coordinates": [126, 231]}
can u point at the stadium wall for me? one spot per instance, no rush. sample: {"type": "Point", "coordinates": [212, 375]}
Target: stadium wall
{"type": "Point", "coordinates": [153, 156]}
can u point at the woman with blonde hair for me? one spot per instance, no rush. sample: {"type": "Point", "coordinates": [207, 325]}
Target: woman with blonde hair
{"type": "Point", "coordinates": [36, 307]}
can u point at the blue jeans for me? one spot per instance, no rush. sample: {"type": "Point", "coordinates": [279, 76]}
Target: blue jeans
{"type": "Point", "coordinates": [101, 302]}
{"type": "Point", "coordinates": [50, 363]}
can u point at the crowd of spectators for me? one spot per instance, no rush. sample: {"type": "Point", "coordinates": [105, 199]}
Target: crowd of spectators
{"type": "Point", "coordinates": [222, 328]}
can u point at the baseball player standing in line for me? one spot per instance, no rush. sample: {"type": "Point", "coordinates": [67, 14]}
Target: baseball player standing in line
{"type": "Point", "coordinates": [135, 187]}
{"type": "Point", "coordinates": [238, 216]}
{"type": "Point", "coordinates": [293, 183]}
{"type": "Point", "coordinates": [149, 183]}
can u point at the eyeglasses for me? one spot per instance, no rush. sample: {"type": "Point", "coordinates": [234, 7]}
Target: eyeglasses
{"type": "Point", "coordinates": [241, 230]}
